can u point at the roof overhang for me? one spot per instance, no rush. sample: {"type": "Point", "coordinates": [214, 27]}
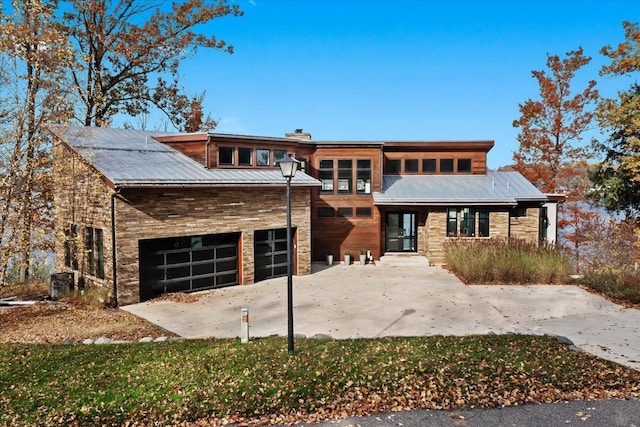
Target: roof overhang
{"type": "Point", "coordinates": [493, 189]}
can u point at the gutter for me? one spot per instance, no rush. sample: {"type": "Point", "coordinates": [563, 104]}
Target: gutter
{"type": "Point", "coordinates": [113, 245]}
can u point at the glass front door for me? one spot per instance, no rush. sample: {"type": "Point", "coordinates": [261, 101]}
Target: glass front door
{"type": "Point", "coordinates": [401, 232]}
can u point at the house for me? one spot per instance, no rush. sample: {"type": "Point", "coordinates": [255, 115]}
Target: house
{"type": "Point", "coordinates": [146, 213]}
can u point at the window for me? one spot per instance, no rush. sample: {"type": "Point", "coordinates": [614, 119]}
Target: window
{"type": "Point", "coordinates": [363, 212]}
{"type": "Point", "coordinates": [345, 176]}
{"type": "Point", "coordinates": [71, 246]}
{"type": "Point", "coordinates": [469, 218]}
{"type": "Point", "coordinates": [345, 212]}
{"type": "Point", "coordinates": [245, 156]}
{"type": "Point", "coordinates": [226, 156]}
{"type": "Point", "coordinates": [483, 222]}
{"type": "Point", "coordinates": [518, 212]}
{"type": "Point", "coordinates": [428, 165]}
{"type": "Point", "coordinates": [393, 166]}
{"type": "Point", "coordinates": [464, 165]}
{"type": "Point", "coordinates": [262, 157]}
{"type": "Point", "coordinates": [303, 165]}
{"type": "Point", "coordinates": [325, 212]}
{"type": "Point", "coordinates": [326, 176]}
{"type": "Point", "coordinates": [278, 155]}
{"type": "Point", "coordinates": [363, 176]}
{"type": "Point", "coordinates": [467, 222]}
{"type": "Point", "coordinates": [411, 166]}
{"type": "Point", "coordinates": [452, 222]}
{"type": "Point", "coordinates": [446, 165]}
{"type": "Point", "coordinates": [95, 252]}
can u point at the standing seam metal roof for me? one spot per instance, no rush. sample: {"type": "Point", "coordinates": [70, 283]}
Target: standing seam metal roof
{"type": "Point", "coordinates": [132, 158]}
{"type": "Point", "coordinates": [494, 188]}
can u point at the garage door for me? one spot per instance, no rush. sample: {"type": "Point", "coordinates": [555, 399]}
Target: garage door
{"type": "Point", "coordinates": [187, 263]}
{"type": "Point", "coordinates": [270, 253]}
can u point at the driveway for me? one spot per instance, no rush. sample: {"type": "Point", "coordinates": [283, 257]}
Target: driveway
{"type": "Point", "coordinates": [404, 296]}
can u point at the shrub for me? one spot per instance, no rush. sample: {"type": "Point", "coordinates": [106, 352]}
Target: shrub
{"type": "Point", "coordinates": [623, 285]}
{"type": "Point", "coordinates": [506, 261]}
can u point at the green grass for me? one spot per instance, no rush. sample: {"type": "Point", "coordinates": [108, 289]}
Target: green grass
{"type": "Point", "coordinates": [173, 382]}
{"type": "Point", "coordinates": [506, 261]}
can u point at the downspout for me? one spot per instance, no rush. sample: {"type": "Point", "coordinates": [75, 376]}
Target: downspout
{"type": "Point", "coordinates": [206, 151]}
{"type": "Point", "coordinates": [113, 245]}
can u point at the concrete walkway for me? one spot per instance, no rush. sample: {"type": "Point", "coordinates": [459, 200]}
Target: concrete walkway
{"type": "Point", "coordinates": [404, 296]}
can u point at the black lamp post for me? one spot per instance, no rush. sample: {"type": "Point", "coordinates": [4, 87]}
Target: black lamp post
{"type": "Point", "coordinates": [288, 167]}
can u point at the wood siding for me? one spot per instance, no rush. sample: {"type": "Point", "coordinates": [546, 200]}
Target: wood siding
{"type": "Point", "coordinates": [337, 234]}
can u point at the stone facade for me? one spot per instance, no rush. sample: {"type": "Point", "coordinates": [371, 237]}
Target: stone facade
{"type": "Point", "coordinates": [432, 236]}
{"type": "Point", "coordinates": [83, 198]}
{"type": "Point", "coordinates": [156, 213]}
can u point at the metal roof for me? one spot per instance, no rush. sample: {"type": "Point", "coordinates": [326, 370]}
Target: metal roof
{"type": "Point", "coordinates": [132, 158]}
{"type": "Point", "coordinates": [494, 188]}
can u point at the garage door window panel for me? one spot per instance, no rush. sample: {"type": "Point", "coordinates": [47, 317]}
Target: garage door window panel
{"type": "Point", "coordinates": [187, 263]}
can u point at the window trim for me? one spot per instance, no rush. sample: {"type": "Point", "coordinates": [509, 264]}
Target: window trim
{"type": "Point", "coordinates": [366, 182]}
{"type": "Point", "coordinates": [259, 159]}
{"type": "Point", "coordinates": [326, 209]}
{"type": "Point", "coordinates": [448, 171]}
{"type": "Point", "coordinates": [240, 150]}
{"type": "Point", "coordinates": [328, 184]}
{"type": "Point", "coordinates": [344, 209]}
{"type": "Point", "coordinates": [233, 155]}
{"type": "Point", "coordinates": [388, 170]}
{"type": "Point", "coordinates": [360, 214]}
{"type": "Point", "coordinates": [459, 170]}
{"type": "Point", "coordinates": [435, 166]}
{"type": "Point", "coordinates": [413, 171]}
{"type": "Point", "coordinates": [478, 222]}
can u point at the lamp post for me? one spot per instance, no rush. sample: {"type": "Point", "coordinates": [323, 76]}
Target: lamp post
{"type": "Point", "coordinates": [288, 167]}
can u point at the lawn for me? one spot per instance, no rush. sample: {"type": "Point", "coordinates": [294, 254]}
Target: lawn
{"type": "Point", "coordinates": [211, 381]}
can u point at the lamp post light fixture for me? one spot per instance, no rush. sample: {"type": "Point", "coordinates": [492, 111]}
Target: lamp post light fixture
{"type": "Point", "coordinates": [288, 167]}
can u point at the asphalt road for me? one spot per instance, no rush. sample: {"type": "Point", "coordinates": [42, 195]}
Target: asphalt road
{"type": "Point", "coordinates": [599, 413]}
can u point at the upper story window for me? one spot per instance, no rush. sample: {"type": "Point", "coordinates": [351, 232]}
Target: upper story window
{"type": "Point", "coordinates": [326, 176]}
{"type": "Point", "coordinates": [393, 166]}
{"type": "Point", "coordinates": [411, 166]}
{"type": "Point", "coordinates": [226, 156]}
{"type": "Point", "coordinates": [429, 166]}
{"type": "Point", "coordinates": [345, 176]}
{"type": "Point", "coordinates": [245, 156]}
{"type": "Point", "coordinates": [262, 156]}
{"type": "Point", "coordinates": [446, 165]}
{"type": "Point", "coordinates": [464, 165]}
{"type": "Point", "coordinates": [278, 155]}
{"type": "Point", "coordinates": [363, 176]}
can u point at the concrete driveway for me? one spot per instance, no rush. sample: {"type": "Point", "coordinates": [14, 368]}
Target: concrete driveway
{"type": "Point", "coordinates": [404, 296]}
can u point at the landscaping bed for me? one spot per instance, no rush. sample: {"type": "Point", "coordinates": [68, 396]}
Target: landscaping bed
{"type": "Point", "coordinates": [71, 319]}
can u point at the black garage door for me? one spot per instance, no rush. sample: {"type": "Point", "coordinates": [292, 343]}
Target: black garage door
{"type": "Point", "coordinates": [187, 263]}
{"type": "Point", "coordinates": [270, 253]}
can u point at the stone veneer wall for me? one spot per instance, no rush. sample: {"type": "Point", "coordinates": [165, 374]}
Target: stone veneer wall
{"type": "Point", "coordinates": [82, 198]}
{"type": "Point", "coordinates": [527, 227]}
{"type": "Point", "coordinates": [435, 230]}
{"type": "Point", "coordinates": [155, 213]}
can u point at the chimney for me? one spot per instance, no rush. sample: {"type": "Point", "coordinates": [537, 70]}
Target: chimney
{"type": "Point", "coordinates": [299, 134]}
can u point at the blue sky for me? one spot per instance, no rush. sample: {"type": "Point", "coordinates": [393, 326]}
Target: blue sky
{"type": "Point", "coordinates": [396, 70]}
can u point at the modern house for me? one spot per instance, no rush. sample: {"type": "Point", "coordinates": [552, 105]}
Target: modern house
{"type": "Point", "coordinates": [147, 212]}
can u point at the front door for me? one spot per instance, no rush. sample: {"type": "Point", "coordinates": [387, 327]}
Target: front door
{"type": "Point", "coordinates": [401, 232]}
